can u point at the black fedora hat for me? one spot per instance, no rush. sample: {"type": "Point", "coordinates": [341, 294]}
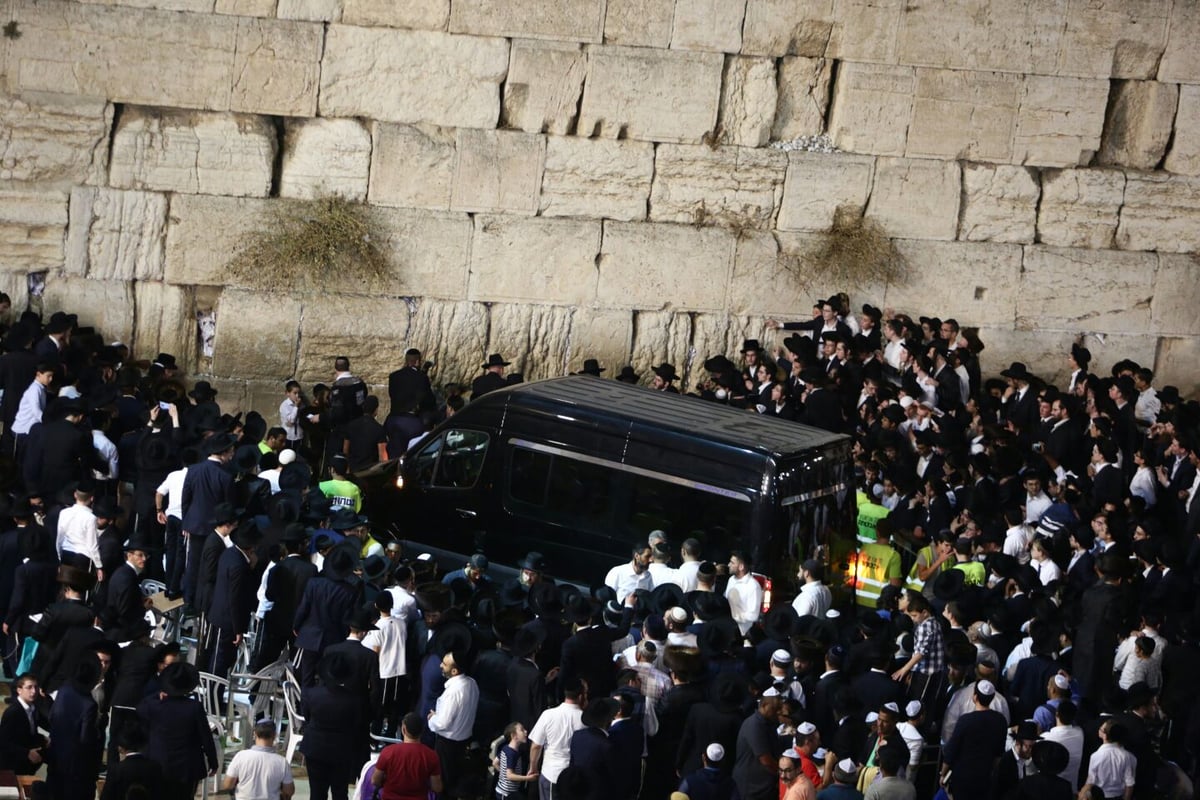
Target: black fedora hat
{"type": "Point", "coordinates": [335, 670]}
{"type": "Point", "coordinates": [665, 371]}
{"type": "Point", "coordinates": [202, 391]}
{"type": "Point", "coordinates": [495, 360]}
{"type": "Point", "coordinates": [1017, 371]}
{"type": "Point", "coordinates": [718, 363]}
{"type": "Point", "coordinates": [800, 345]}
{"type": "Point", "coordinates": [361, 619]}
{"type": "Point", "coordinates": [665, 596]}
{"type": "Point", "coordinates": [1050, 757]}
{"type": "Point", "coordinates": [374, 567]}
{"type": "Point", "coordinates": [106, 507]}
{"type": "Point", "coordinates": [76, 578]}
{"type": "Point", "coordinates": [1169, 394]}
{"type": "Point", "coordinates": [580, 609]}
{"type": "Point", "coordinates": [591, 367]}
{"type": "Point", "coordinates": [948, 585]}
{"type": "Point", "coordinates": [139, 542]}
{"type": "Point", "coordinates": [179, 679]}
{"type": "Point", "coordinates": [533, 561]}
{"type": "Point", "coordinates": [340, 564]}
{"type": "Point", "coordinates": [751, 346]}
{"type": "Point", "coordinates": [527, 640]}
{"type": "Point", "coordinates": [1081, 354]}
{"type": "Point", "coordinates": [599, 713]}
{"type": "Point", "coordinates": [247, 535]}
{"type": "Point", "coordinates": [225, 513]}
{"type": "Point", "coordinates": [219, 443]}
{"type": "Point", "coordinates": [627, 375]}
{"type": "Point", "coordinates": [284, 509]}
{"type": "Point", "coordinates": [512, 595]}
{"type": "Point", "coordinates": [872, 312]}
{"type": "Point", "coordinates": [344, 518]}
{"type": "Point", "coordinates": [294, 532]}
{"type": "Point", "coordinates": [166, 361]}
{"type": "Point", "coordinates": [434, 597]}
{"type": "Point", "coordinates": [246, 458]}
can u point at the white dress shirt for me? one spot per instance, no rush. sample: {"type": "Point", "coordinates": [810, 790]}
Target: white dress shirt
{"type": "Point", "coordinates": [172, 489]}
{"type": "Point", "coordinates": [814, 599]}
{"type": "Point", "coordinates": [77, 532]}
{"type": "Point", "coordinates": [454, 716]}
{"type": "Point", "coordinates": [624, 581]}
{"type": "Point", "coordinates": [687, 575]}
{"type": "Point", "coordinates": [29, 412]}
{"type": "Point", "coordinates": [1111, 768]}
{"type": "Point", "coordinates": [404, 605]}
{"type": "Point", "coordinates": [1070, 737]}
{"type": "Point", "coordinates": [660, 574]}
{"type": "Point", "coordinates": [745, 596]}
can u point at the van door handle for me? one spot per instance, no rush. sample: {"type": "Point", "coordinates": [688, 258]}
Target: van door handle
{"type": "Point", "coordinates": [466, 513]}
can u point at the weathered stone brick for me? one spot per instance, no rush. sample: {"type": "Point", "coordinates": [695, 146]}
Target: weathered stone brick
{"type": "Point", "coordinates": [369, 72]}
{"type": "Point", "coordinates": [639, 23]}
{"type": "Point", "coordinates": [964, 114]}
{"type": "Point", "coordinates": [977, 281]}
{"type": "Point", "coordinates": [640, 265]}
{"type": "Point", "coordinates": [498, 171]}
{"type": "Point", "coordinates": [257, 334]}
{"type": "Point", "coordinates": [748, 101]}
{"type": "Point", "coordinates": [1138, 124]}
{"type": "Point", "coordinates": [817, 185]}
{"type": "Point", "coordinates": [426, 15]}
{"type": "Point", "coordinates": [534, 260]}
{"type": "Point", "coordinates": [53, 139]}
{"type": "Point", "coordinates": [165, 322]}
{"type": "Point", "coordinates": [871, 108]}
{"type": "Point", "coordinates": [803, 97]}
{"type": "Point", "coordinates": [1080, 207]}
{"type": "Point", "coordinates": [999, 204]}
{"type": "Point", "coordinates": [564, 20]}
{"type": "Point", "coordinates": [1001, 35]}
{"type": "Point", "coordinates": [1181, 59]}
{"type": "Point", "coordinates": [731, 186]}
{"type": "Point", "coordinates": [708, 25]}
{"type": "Point", "coordinates": [787, 27]}
{"type": "Point", "coordinates": [1059, 121]}
{"type": "Point", "coordinates": [33, 228]}
{"type": "Point", "coordinates": [106, 306]}
{"type": "Point", "coordinates": [627, 89]}
{"type": "Point", "coordinates": [541, 94]}
{"type": "Point", "coordinates": [323, 157]}
{"type": "Point", "coordinates": [116, 235]}
{"type": "Point", "coordinates": [1161, 212]}
{"type": "Point", "coordinates": [1173, 307]}
{"type": "Point", "coordinates": [1118, 288]}
{"type": "Point", "coordinates": [1113, 38]}
{"type": "Point", "coordinates": [412, 165]}
{"type": "Point", "coordinates": [596, 178]}
{"type": "Point", "coordinates": [1184, 156]}
{"type": "Point", "coordinates": [916, 198]}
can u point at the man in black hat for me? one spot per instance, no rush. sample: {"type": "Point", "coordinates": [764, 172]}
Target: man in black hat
{"type": "Point", "coordinates": [492, 377]}
{"type": "Point", "coordinates": [17, 368]}
{"type": "Point", "coordinates": [324, 607]}
{"type": "Point", "coordinates": [233, 596]}
{"type": "Point", "coordinates": [224, 521]}
{"type": "Point", "coordinates": [1077, 360]}
{"type": "Point", "coordinates": [125, 606]}
{"type": "Point", "coordinates": [59, 452]}
{"type": "Point", "coordinates": [409, 386]}
{"type": "Point", "coordinates": [591, 367]}
{"type": "Point", "coordinates": [664, 378]}
{"type": "Point", "coordinates": [206, 484]}
{"type": "Point", "coordinates": [627, 375]}
{"type": "Point", "coordinates": [285, 586]}
{"type": "Point", "coordinates": [1020, 402]}
{"type": "Point", "coordinates": [822, 406]}
{"type": "Point", "coordinates": [58, 336]}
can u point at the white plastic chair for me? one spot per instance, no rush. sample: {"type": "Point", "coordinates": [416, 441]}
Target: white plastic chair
{"type": "Point", "coordinates": [295, 722]}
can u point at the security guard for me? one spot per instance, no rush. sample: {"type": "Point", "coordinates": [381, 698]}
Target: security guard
{"type": "Point", "coordinates": [877, 566]}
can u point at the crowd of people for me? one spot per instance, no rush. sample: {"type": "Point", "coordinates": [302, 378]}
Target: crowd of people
{"type": "Point", "coordinates": [1021, 617]}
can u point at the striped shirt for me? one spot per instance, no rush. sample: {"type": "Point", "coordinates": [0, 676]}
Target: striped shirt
{"type": "Point", "coordinates": [510, 759]}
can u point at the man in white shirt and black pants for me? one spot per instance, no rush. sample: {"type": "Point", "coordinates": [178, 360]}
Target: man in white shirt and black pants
{"type": "Point", "coordinates": [452, 720]}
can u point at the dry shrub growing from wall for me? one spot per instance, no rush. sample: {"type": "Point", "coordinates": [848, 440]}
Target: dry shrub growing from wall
{"type": "Point", "coordinates": [856, 251]}
{"type": "Point", "coordinates": [312, 244]}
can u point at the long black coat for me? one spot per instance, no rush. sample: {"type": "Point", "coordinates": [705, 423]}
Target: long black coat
{"type": "Point", "coordinates": [706, 723]}
{"type": "Point", "coordinates": [321, 618]}
{"type": "Point", "coordinates": [333, 725]}
{"type": "Point", "coordinates": [233, 599]}
{"type": "Point", "coordinates": [180, 740]}
{"type": "Point", "coordinates": [134, 770]}
{"type": "Point", "coordinates": [285, 588]}
{"type": "Point", "coordinates": [34, 587]}
{"type": "Point", "coordinates": [1095, 642]}
{"type": "Point", "coordinates": [978, 740]}
{"type": "Point", "coordinates": [75, 745]}
{"type": "Point", "coordinates": [123, 605]}
{"type": "Point", "coordinates": [205, 485]}
{"type": "Point", "coordinates": [57, 619]}
{"type": "Point", "coordinates": [526, 691]}
{"type": "Point", "coordinates": [206, 579]}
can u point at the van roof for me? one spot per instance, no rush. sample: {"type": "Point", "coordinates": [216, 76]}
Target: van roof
{"type": "Point", "coordinates": [690, 415]}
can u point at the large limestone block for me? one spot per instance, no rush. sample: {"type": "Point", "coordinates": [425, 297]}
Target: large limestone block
{"type": "Point", "coordinates": [436, 328]}
{"type": "Point", "coordinates": [247, 8]}
{"type": "Point", "coordinates": [370, 72]}
{"type": "Point", "coordinates": [535, 338]}
{"type": "Point", "coordinates": [1184, 157]}
{"type": "Point", "coordinates": [545, 79]}
{"type": "Point", "coordinates": [776, 275]}
{"type": "Point", "coordinates": [426, 15]}
{"type": "Point", "coordinates": [193, 151]}
{"type": "Point", "coordinates": [428, 253]}
{"type": "Point", "coordinates": [866, 30]}
{"type": "Point", "coordinates": [412, 165]}
{"type": "Point", "coordinates": [116, 235]}
{"type": "Point", "coordinates": [748, 100]}
{"type": "Point", "coordinates": [1000, 35]}
{"type": "Point", "coordinates": [129, 55]}
{"type": "Point", "coordinates": [313, 10]}
{"type": "Point", "coordinates": [1059, 121]}
{"type": "Point", "coordinates": [652, 266]}
{"type": "Point", "coordinates": [1139, 123]}
{"type": "Point", "coordinates": [1181, 59]}
{"type": "Point", "coordinates": [194, 6]}
{"type": "Point", "coordinates": [786, 27]}
{"type": "Point", "coordinates": [277, 67]}
{"type": "Point", "coordinates": [1161, 212]}
{"type": "Point", "coordinates": [204, 233]}
{"type": "Point", "coordinates": [33, 228]}
{"type": "Point", "coordinates": [498, 171]}
{"type": "Point", "coordinates": [818, 184]}
{"type": "Point", "coordinates": [51, 139]}
{"type": "Point", "coordinates": [708, 25]}
{"type": "Point", "coordinates": [107, 306]}
{"type": "Point", "coordinates": [534, 260]}
{"type": "Point", "coordinates": [1086, 290]}
{"type": "Point", "coordinates": [1113, 38]}
{"type": "Point", "coordinates": [628, 88]}
{"type": "Point", "coordinates": [1173, 307]}
{"type": "Point", "coordinates": [964, 114]}
{"type": "Point", "coordinates": [639, 23]}
{"type": "Point", "coordinates": [976, 281]}
{"type": "Point", "coordinates": [1080, 207]}
{"type": "Point", "coordinates": [733, 187]}
{"type": "Point", "coordinates": [563, 20]}
{"type": "Point", "coordinates": [596, 178]}
{"type": "Point", "coordinates": [600, 333]}
{"type": "Point", "coordinates": [871, 108]}
{"type": "Point", "coordinates": [803, 97]}
{"type": "Point", "coordinates": [154, 57]}
{"type": "Point", "coordinates": [257, 333]}
{"type": "Point", "coordinates": [1175, 365]}
{"type": "Point", "coordinates": [165, 322]}
{"type": "Point", "coordinates": [367, 329]}
{"type": "Point", "coordinates": [916, 198]}
{"type": "Point", "coordinates": [323, 157]}
{"type": "Point", "coordinates": [999, 204]}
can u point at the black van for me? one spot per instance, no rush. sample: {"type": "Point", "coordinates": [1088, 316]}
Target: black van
{"type": "Point", "coordinates": [579, 468]}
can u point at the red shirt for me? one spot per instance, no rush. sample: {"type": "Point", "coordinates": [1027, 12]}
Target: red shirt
{"type": "Point", "coordinates": [407, 769]}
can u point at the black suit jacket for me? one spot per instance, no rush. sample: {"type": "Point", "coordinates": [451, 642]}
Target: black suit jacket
{"type": "Point", "coordinates": [409, 387]}
{"type": "Point", "coordinates": [874, 689]}
{"type": "Point", "coordinates": [526, 691]}
{"type": "Point", "coordinates": [10, 559]}
{"type": "Point", "coordinates": [16, 373]}
{"type": "Point", "coordinates": [1024, 413]}
{"type": "Point", "coordinates": [285, 588]}
{"type": "Point", "coordinates": [17, 739]}
{"type": "Point", "coordinates": [487, 382]}
{"type": "Point", "coordinates": [706, 723]}
{"type": "Point", "coordinates": [136, 769]}
{"type": "Point", "coordinates": [206, 579]}
{"type": "Point", "coordinates": [1109, 487]}
{"type": "Point", "coordinates": [58, 453]}
{"type": "Point", "coordinates": [57, 619]}
{"type": "Point", "coordinates": [205, 485]}
{"type": "Point", "coordinates": [588, 655]}
{"type": "Point", "coordinates": [75, 743]}
{"type": "Point", "coordinates": [134, 668]}
{"type": "Point", "coordinates": [321, 618]}
{"type": "Point", "coordinates": [76, 643]}
{"type": "Point", "coordinates": [823, 409]}
{"type": "Point", "coordinates": [333, 724]}
{"type": "Point", "coordinates": [34, 587]}
{"type": "Point", "coordinates": [366, 667]}
{"type": "Point", "coordinates": [233, 599]}
{"type": "Point", "coordinates": [978, 740]}
{"type": "Point", "coordinates": [124, 600]}
{"type": "Point", "coordinates": [180, 740]}
{"type": "Point", "coordinates": [821, 705]}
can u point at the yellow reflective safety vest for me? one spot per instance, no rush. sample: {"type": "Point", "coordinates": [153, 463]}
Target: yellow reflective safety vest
{"type": "Point", "coordinates": [875, 567]}
{"type": "Point", "coordinates": [868, 514]}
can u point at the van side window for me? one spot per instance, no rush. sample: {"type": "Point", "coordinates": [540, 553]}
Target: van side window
{"type": "Point", "coordinates": [453, 461]}
{"type": "Point", "coordinates": [681, 512]}
{"type": "Point", "coordinates": [562, 490]}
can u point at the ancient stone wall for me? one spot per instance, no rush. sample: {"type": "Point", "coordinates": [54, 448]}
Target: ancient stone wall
{"type": "Point", "coordinates": [567, 178]}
